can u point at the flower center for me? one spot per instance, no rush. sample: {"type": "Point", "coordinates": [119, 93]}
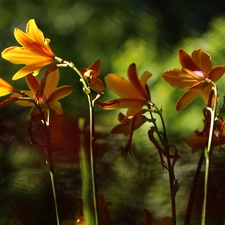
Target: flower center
{"type": "Point", "coordinates": [200, 74]}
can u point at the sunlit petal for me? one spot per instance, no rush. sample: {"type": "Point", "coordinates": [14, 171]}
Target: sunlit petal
{"type": "Point", "coordinates": [30, 68]}
{"type": "Point", "coordinates": [20, 55]}
{"type": "Point", "coordinates": [33, 83]}
{"type": "Point", "coordinates": [202, 60]}
{"type": "Point", "coordinates": [52, 81]}
{"type": "Point", "coordinates": [33, 31]}
{"type": "Point", "coordinates": [186, 61]}
{"type": "Point", "coordinates": [60, 92]}
{"type": "Point", "coordinates": [5, 88]}
{"type": "Point", "coordinates": [24, 101]}
{"type": "Point", "coordinates": [216, 73]}
{"type": "Point", "coordinates": [144, 78]}
{"type": "Point", "coordinates": [133, 78]}
{"type": "Point", "coordinates": [188, 97]}
{"type": "Point", "coordinates": [121, 86]}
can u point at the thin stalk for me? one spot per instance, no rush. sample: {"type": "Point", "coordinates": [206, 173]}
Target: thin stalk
{"type": "Point", "coordinates": [51, 166]}
{"type": "Point", "coordinates": [50, 163]}
{"type": "Point", "coordinates": [87, 91]}
{"type": "Point", "coordinates": [208, 150]}
{"type": "Point", "coordinates": [85, 175]}
{"type": "Point", "coordinates": [193, 189]}
{"type": "Point", "coordinates": [92, 162]}
{"type": "Point", "coordinates": [165, 144]}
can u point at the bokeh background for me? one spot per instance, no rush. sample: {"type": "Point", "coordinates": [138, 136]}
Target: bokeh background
{"type": "Point", "coordinates": [149, 33]}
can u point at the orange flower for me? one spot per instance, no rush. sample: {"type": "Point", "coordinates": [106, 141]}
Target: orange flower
{"type": "Point", "coordinates": [35, 52]}
{"type": "Point", "coordinates": [91, 76]}
{"type": "Point", "coordinates": [195, 75]}
{"type": "Point", "coordinates": [128, 125]}
{"type": "Point", "coordinates": [47, 96]}
{"type": "Point", "coordinates": [199, 140]}
{"type": "Point", "coordinates": [134, 93]}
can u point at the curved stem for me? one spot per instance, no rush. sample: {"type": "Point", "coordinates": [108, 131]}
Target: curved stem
{"type": "Point", "coordinates": [87, 91]}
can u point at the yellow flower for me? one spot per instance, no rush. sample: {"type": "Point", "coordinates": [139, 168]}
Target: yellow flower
{"type": "Point", "coordinates": [47, 95]}
{"type": "Point", "coordinates": [134, 93]}
{"type": "Point", "coordinates": [195, 75]}
{"type": "Point", "coordinates": [91, 76]}
{"type": "Point", "coordinates": [35, 52]}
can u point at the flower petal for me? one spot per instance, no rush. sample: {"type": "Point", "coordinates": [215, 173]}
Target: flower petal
{"type": "Point", "coordinates": [121, 86]}
{"type": "Point", "coordinates": [52, 81]}
{"type": "Point", "coordinates": [5, 88]}
{"type": "Point", "coordinates": [33, 39]}
{"type": "Point", "coordinates": [133, 78]}
{"type": "Point", "coordinates": [202, 60]}
{"type": "Point", "coordinates": [97, 85]}
{"type": "Point", "coordinates": [33, 83]}
{"type": "Point", "coordinates": [59, 93]}
{"type": "Point", "coordinates": [188, 96]}
{"type": "Point", "coordinates": [186, 61]}
{"type": "Point", "coordinates": [96, 67]}
{"type": "Point", "coordinates": [32, 67]}
{"type": "Point", "coordinates": [26, 101]}
{"type": "Point", "coordinates": [8, 101]}
{"type": "Point", "coordinates": [180, 78]}
{"type": "Point", "coordinates": [20, 55]}
{"type": "Point", "coordinates": [57, 107]}
{"type": "Point", "coordinates": [216, 73]}
{"type": "Point", "coordinates": [196, 142]}
{"type": "Point", "coordinates": [35, 33]}
{"type": "Point", "coordinates": [118, 103]}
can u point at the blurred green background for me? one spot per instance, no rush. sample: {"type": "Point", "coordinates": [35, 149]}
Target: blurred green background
{"type": "Point", "coordinates": [149, 33]}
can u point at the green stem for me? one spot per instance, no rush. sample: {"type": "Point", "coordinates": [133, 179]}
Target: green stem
{"type": "Point", "coordinates": [85, 176]}
{"type": "Point", "coordinates": [87, 91]}
{"type": "Point", "coordinates": [208, 150]}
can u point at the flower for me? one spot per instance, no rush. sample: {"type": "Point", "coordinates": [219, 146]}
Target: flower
{"type": "Point", "coordinates": [199, 140]}
{"type": "Point", "coordinates": [128, 125]}
{"type": "Point", "coordinates": [91, 74]}
{"type": "Point", "coordinates": [134, 93]}
{"type": "Point", "coordinates": [46, 94]}
{"type": "Point", "coordinates": [35, 52]}
{"type": "Point", "coordinates": [196, 75]}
